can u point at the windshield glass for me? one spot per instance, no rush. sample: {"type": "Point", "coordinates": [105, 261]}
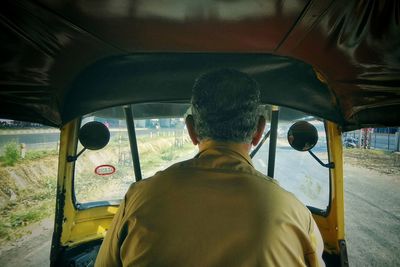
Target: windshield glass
{"type": "Point", "coordinates": [106, 174]}
{"type": "Point", "coordinates": [298, 172]}
{"type": "Point", "coordinates": [163, 140]}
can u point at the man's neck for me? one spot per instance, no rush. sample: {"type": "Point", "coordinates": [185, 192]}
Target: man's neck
{"type": "Point", "coordinates": [243, 148]}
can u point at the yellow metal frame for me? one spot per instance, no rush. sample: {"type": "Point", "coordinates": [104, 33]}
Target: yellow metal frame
{"type": "Point", "coordinates": [77, 226]}
{"type": "Point", "coordinates": [332, 226]}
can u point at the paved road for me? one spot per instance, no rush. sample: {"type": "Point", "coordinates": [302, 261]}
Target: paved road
{"type": "Point", "coordinates": [372, 202]}
{"type": "Point", "coordinates": [372, 217]}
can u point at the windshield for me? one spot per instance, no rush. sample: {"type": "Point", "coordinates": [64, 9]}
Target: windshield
{"type": "Point", "coordinates": [298, 172]}
{"type": "Point", "coordinates": [106, 174]}
{"type": "Point", "coordinates": [162, 140]}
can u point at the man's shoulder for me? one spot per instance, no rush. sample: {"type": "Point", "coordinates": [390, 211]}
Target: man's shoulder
{"type": "Point", "coordinates": [272, 186]}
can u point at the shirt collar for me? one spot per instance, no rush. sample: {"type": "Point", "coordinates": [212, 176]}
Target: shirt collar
{"type": "Point", "coordinates": [230, 147]}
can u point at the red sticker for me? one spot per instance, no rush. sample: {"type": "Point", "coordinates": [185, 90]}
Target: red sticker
{"type": "Point", "coordinates": [104, 170]}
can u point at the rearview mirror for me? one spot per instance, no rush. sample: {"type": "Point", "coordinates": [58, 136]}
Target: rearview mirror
{"type": "Point", "coordinates": [94, 135]}
{"type": "Point", "coordinates": [302, 136]}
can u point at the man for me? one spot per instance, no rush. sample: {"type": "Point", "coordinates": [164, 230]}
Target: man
{"type": "Point", "coordinates": [215, 209]}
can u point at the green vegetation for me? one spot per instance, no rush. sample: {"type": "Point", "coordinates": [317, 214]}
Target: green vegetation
{"type": "Point", "coordinates": [151, 161]}
{"type": "Point", "coordinates": [34, 199]}
{"type": "Point", "coordinates": [20, 215]}
{"type": "Point", "coordinates": [31, 206]}
{"type": "Point", "coordinates": [167, 154]}
{"type": "Point", "coordinates": [38, 170]}
{"type": "Point", "coordinates": [11, 154]}
{"type": "Point", "coordinates": [39, 154]}
{"type": "Point", "coordinates": [23, 217]}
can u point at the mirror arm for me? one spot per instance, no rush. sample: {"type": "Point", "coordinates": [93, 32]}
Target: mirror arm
{"type": "Point", "coordinates": [255, 150]}
{"type": "Point", "coordinates": [330, 165]}
{"type": "Point", "coordinates": [74, 158]}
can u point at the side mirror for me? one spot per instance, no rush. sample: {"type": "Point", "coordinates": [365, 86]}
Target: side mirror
{"type": "Point", "coordinates": [302, 136]}
{"type": "Point", "coordinates": [93, 135]}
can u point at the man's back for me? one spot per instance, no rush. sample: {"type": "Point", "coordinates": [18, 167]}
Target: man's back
{"type": "Point", "coordinates": [214, 210]}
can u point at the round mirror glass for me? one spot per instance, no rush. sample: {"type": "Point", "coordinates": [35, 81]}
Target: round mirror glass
{"type": "Point", "coordinates": [94, 135]}
{"type": "Point", "coordinates": [302, 136]}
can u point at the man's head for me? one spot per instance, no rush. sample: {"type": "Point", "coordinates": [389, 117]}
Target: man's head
{"type": "Point", "coordinates": [226, 107]}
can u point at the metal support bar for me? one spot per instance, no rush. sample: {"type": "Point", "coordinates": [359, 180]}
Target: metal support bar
{"type": "Point", "coordinates": [133, 142]}
{"type": "Point", "coordinates": [272, 140]}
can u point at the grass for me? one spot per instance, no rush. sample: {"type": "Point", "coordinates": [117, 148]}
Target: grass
{"type": "Point", "coordinates": [19, 215]}
{"type": "Point", "coordinates": [150, 161]}
{"type": "Point", "coordinates": [4, 231]}
{"type": "Point", "coordinates": [31, 206]}
{"type": "Point", "coordinates": [11, 154]}
{"type": "Point", "coordinates": [167, 155]}
{"type": "Point", "coordinates": [24, 217]}
{"type": "Point", "coordinates": [39, 154]}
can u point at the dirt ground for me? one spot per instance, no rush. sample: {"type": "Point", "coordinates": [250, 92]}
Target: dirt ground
{"type": "Point", "coordinates": [31, 250]}
{"type": "Point", "coordinates": [378, 160]}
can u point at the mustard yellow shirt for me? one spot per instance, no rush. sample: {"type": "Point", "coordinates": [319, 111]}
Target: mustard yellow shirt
{"type": "Point", "coordinates": [213, 210]}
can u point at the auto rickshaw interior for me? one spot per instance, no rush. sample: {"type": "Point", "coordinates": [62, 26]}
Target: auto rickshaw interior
{"type": "Point", "coordinates": [141, 122]}
{"type": "Point", "coordinates": [125, 64]}
{"type": "Point", "coordinates": [333, 64]}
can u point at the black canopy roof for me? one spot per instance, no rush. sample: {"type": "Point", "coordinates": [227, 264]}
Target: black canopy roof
{"type": "Point", "coordinates": [339, 60]}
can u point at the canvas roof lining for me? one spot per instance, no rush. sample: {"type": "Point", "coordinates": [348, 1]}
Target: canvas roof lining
{"type": "Point", "coordinates": [48, 46]}
{"type": "Point", "coordinates": [169, 77]}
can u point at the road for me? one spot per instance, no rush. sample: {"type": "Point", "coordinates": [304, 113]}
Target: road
{"type": "Point", "coordinates": [372, 208]}
{"type": "Point", "coordinates": [372, 224]}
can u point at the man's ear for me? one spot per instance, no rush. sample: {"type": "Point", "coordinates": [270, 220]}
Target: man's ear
{"type": "Point", "coordinates": [260, 129]}
{"type": "Point", "coordinates": [190, 127]}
